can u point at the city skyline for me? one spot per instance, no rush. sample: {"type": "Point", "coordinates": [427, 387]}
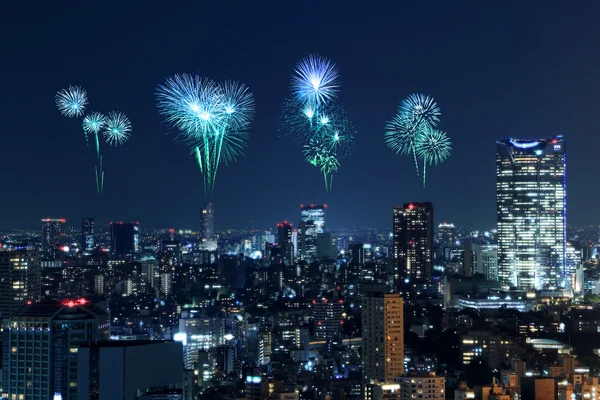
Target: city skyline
{"type": "Point", "coordinates": [488, 88]}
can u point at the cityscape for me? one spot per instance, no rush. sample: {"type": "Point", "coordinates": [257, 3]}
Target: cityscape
{"type": "Point", "coordinates": [299, 201]}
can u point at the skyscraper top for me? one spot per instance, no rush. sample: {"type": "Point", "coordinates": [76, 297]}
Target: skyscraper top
{"type": "Point", "coordinates": [538, 147]}
{"type": "Point", "coordinates": [312, 206]}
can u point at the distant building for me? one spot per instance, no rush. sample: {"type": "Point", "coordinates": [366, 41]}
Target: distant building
{"type": "Point", "coordinates": [327, 317]}
{"type": "Point", "coordinates": [87, 235]}
{"type": "Point", "coordinates": [312, 223]}
{"type": "Point", "coordinates": [382, 337]}
{"type": "Point", "coordinates": [534, 388]}
{"type": "Point", "coordinates": [124, 238]}
{"type": "Point", "coordinates": [207, 227]}
{"type": "Point", "coordinates": [53, 235]}
{"type": "Point", "coordinates": [531, 211]}
{"type": "Point", "coordinates": [20, 277]}
{"type": "Point", "coordinates": [356, 254]}
{"type": "Point", "coordinates": [446, 234]}
{"type": "Point", "coordinates": [481, 259]}
{"type": "Point", "coordinates": [285, 242]}
{"type": "Point", "coordinates": [53, 333]}
{"type": "Point", "coordinates": [113, 370]}
{"type": "Point", "coordinates": [326, 245]}
{"type": "Point", "coordinates": [413, 241]}
{"type": "Point", "coordinates": [427, 386]}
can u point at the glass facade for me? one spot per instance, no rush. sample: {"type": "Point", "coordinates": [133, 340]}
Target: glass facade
{"type": "Point", "coordinates": [311, 224]}
{"type": "Point", "coordinates": [531, 212]}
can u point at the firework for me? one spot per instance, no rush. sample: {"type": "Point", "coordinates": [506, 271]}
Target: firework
{"type": "Point", "coordinates": [211, 118]}
{"type": "Point", "coordinates": [315, 80]}
{"type": "Point", "coordinates": [419, 108]}
{"type": "Point", "coordinates": [92, 124]}
{"type": "Point", "coordinates": [433, 146]}
{"type": "Point", "coordinates": [71, 102]}
{"type": "Point", "coordinates": [117, 128]}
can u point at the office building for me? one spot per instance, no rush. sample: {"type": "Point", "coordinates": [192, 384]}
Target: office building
{"type": "Point", "coordinates": [481, 259]}
{"type": "Point", "coordinates": [208, 239]}
{"type": "Point", "coordinates": [327, 317]}
{"type": "Point", "coordinates": [327, 246]}
{"type": "Point", "coordinates": [427, 386]}
{"type": "Point", "coordinates": [53, 235]}
{"type": "Point", "coordinates": [531, 212]}
{"type": "Point", "coordinates": [285, 243]}
{"type": "Point", "coordinates": [413, 241]}
{"type": "Point", "coordinates": [41, 341]}
{"type": "Point", "coordinates": [119, 370]}
{"type": "Point", "coordinates": [382, 337]}
{"type": "Point", "coordinates": [124, 238]}
{"type": "Point", "coordinates": [356, 254]}
{"type": "Point", "coordinates": [199, 333]}
{"type": "Point", "coordinates": [312, 222]}
{"type": "Point", "coordinates": [87, 235]}
{"type": "Point", "coordinates": [446, 234]}
{"type": "Point", "coordinates": [20, 277]}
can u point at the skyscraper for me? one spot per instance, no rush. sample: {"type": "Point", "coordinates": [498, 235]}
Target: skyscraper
{"type": "Point", "coordinates": [87, 234]}
{"type": "Point", "coordinates": [207, 222]}
{"type": "Point", "coordinates": [531, 211]}
{"type": "Point", "coordinates": [284, 241]}
{"type": "Point", "coordinates": [311, 224]}
{"type": "Point", "coordinates": [124, 237]}
{"type": "Point", "coordinates": [382, 337]}
{"type": "Point", "coordinates": [20, 277]}
{"type": "Point", "coordinates": [40, 347]}
{"type": "Point", "coordinates": [413, 241]}
{"type": "Point", "coordinates": [53, 235]}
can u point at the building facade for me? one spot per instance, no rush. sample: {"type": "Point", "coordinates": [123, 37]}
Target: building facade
{"type": "Point", "coordinates": [312, 222]}
{"type": "Point", "coordinates": [382, 337]}
{"type": "Point", "coordinates": [20, 277]}
{"type": "Point", "coordinates": [53, 235]}
{"type": "Point", "coordinates": [413, 241]}
{"type": "Point", "coordinates": [41, 342]}
{"type": "Point", "coordinates": [124, 237]}
{"type": "Point", "coordinates": [284, 241]}
{"type": "Point", "coordinates": [87, 235]}
{"type": "Point", "coordinates": [531, 212]}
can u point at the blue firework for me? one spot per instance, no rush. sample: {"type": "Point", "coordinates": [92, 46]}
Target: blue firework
{"type": "Point", "coordinates": [117, 129]}
{"type": "Point", "coordinates": [71, 102]}
{"type": "Point", "coordinates": [315, 80]}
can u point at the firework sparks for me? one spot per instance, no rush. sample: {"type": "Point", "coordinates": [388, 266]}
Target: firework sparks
{"type": "Point", "coordinates": [117, 128]}
{"type": "Point", "coordinates": [433, 147]}
{"type": "Point", "coordinates": [315, 80]}
{"type": "Point", "coordinates": [71, 102]}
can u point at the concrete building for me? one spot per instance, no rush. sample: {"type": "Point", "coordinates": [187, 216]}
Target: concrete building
{"type": "Point", "coordinates": [427, 386]}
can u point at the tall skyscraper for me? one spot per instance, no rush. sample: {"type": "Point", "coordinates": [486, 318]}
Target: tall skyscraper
{"type": "Point", "coordinates": [53, 235]}
{"type": "Point", "coordinates": [327, 316]}
{"type": "Point", "coordinates": [40, 347]}
{"type": "Point", "coordinates": [531, 212]}
{"type": "Point", "coordinates": [382, 337]}
{"type": "Point", "coordinates": [124, 237]}
{"type": "Point", "coordinates": [284, 241]}
{"type": "Point", "coordinates": [87, 234]}
{"type": "Point", "coordinates": [20, 277]}
{"type": "Point", "coordinates": [413, 241]}
{"type": "Point", "coordinates": [312, 222]}
{"type": "Point", "coordinates": [207, 222]}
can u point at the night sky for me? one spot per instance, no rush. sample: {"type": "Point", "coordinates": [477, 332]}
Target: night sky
{"type": "Point", "coordinates": [517, 69]}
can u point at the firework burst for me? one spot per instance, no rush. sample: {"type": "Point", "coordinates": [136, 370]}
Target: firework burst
{"type": "Point", "coordinates": [71, 102]}
{"type": "Point", "coordinates": [117, 128]}
{"type": "Point", "coordinates": [433, 147]}
{"type": "Point", "coordinates": [315, 80]}
{"type": "Point", "coordinates": [211, 118]}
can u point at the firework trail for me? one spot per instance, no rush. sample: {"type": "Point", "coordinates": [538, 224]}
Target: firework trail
{"type": "Point", "coordinates": [433, 147]}
{"type": "Point", "coordinates": [212, 118]}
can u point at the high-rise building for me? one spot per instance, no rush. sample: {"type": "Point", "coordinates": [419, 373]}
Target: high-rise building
{"type": "Point", "coordinates": [20, 277]}
{"type": "Point", "coordinates": [481, 259]}
{"type": "Point", "coordinates": [207, 223]}
{"type": "Point", "coordinates": [356, 254]}
{"type": "Point", "coordinates": [382, 337]}
{"type": "Point", "coordinates": [446, 233]}
{"type": "Point", "coordinates": [312, 222]}
{"type": "Point", "coordinates": [124, 237]}
{"type": "Point", "coordinates": [41, 342]}
{"type": "Point", "coordinates": [87, 235]}
{"type": "Point", "coordinates": [53, 235]}
{"type": "Point", "coordinates": [426, 386]}
{"type": "Point", "coordinates": [123, 369]}
{"type": "Point", "coordinates": [284, 241]}
{"type": "Point", "coordinates": [531, 212]}
{"type": "Point", "coordinates": [413, 241]}
{"type": "Point", "coordinates": [327, 245]}
{"type": "Point", "coordinates": [327, 316]}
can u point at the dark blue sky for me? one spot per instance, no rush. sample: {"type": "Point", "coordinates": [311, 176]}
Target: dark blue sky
{"type": "Point", "coordinates": [524, 69]}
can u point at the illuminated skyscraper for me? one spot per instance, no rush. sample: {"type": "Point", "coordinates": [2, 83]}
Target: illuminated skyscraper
{"type": "Point", "coordinates": [446, 233]}
{"type": "Point", "coordinates": [207, 222]}
{"type": "Point", "coordinates": [382, 337]}
{"type": "Point", "coordinates": [311, 224]}
{"type": "Point", "coordinates": [87, 234]}
{"type": "Point", "coordinates": [53, 235]}
{"type": "Point", "coordinates": [531, 212]}
{"type": "Point", "coordinates": [124, 238]}
{"type": "Point", "coordinates": [284, 241]}
{"type": "Point", "coordinates": [20, 279]}
{"type": "Point", "coordinates": [413, 241]}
